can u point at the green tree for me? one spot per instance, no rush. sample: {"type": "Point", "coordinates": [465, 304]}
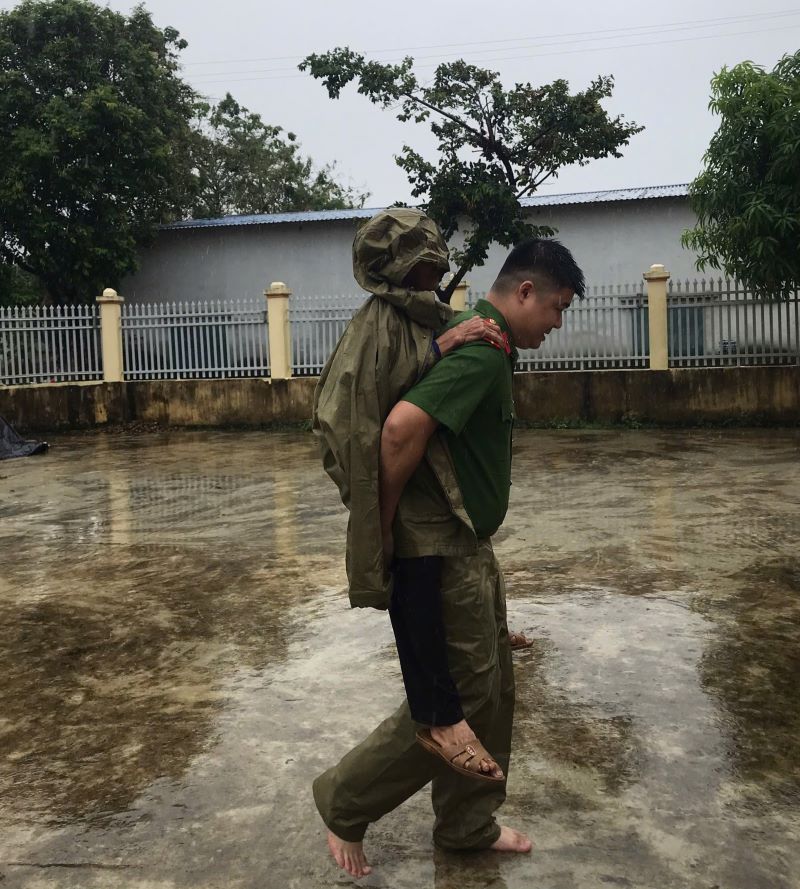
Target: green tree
{"type": "Point", "coordinates": [495, 145]}
{"type": "Point", "coordinates": [18, 288]}
{"type": "Point", "coordinates": [94, 135]}
{"type": "Point", "coordinates": [747, 198]}
{"type": "Point", "coordinates": [244, 165]}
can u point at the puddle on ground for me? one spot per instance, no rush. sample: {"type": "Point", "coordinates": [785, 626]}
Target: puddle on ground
{"type": "Point", "coordinates": [178, 661]}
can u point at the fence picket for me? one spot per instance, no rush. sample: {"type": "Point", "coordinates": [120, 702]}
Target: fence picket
{"type": "Point", "coordinates": [711, 323]}
{"type": "Point", "coordinates": [194, 340]}
{"type": "Point", "coordinates": [34, 344]}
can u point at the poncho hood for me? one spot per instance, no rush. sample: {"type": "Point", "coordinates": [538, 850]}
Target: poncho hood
{"type": "Point", "coordinates": [387, 247]}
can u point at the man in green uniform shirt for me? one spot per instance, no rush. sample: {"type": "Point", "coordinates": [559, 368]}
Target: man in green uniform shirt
{"type": "Point", "coordinates": [466, 400]}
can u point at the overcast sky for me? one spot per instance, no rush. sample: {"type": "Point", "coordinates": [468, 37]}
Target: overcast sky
{"type": "Point", "coordinates": [662, 58]}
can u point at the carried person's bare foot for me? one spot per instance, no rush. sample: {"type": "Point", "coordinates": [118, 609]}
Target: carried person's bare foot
{"type": "Point", "coordinates": [511, 840]}
{"type": "Point", "coordinates": [349, 856]}
{"type": "Point", "coordinates": [460, 748]}
{"type": "Point", "coordinates": [518, 641]}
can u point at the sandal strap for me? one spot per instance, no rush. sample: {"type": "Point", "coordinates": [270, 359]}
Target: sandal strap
{"type": "Point", "coordinates": [474, 752]}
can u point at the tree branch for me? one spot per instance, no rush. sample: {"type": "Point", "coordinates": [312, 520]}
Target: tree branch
{"type": "Point", "coordinates": [477, 133]}
{"type": "Point", "coordinates": [538, 182]}
{"type": "Point", "coordinates": [512, 179]}
{"type": "Point", "coordinates": [458, 277]}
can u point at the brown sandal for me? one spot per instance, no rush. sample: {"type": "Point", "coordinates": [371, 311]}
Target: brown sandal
{"type": "Point", "coordinates": [518, 641]}
{"type": "Point", "coordinates": [464, 758]}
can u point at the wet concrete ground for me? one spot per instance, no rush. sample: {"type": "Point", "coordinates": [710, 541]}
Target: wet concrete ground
{"type": "Point", "coordinates": [177, 661]}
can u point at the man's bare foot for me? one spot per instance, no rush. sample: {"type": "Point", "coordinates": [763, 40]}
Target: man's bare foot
{"type": "Point", "coordinates": [350, 856]}
{"type": "Point", "coordinates": [511, 840]}
{"type": "Point", "coordinates": [462, 734]}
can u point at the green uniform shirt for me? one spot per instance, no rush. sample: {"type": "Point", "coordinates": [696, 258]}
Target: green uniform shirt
{"type": "Point", "coordinates": [470, 393]}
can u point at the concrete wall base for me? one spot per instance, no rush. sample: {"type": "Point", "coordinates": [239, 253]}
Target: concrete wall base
{"type": "Point", "coordinates": [681, 397]}
{"type": "Point", "coordinates": [678, 397]}
{"type": "Point", "coordinates": [239, 402]}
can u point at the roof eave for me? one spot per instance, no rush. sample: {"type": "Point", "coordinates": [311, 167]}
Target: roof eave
{"type": "Point", "coordinates": [649, 192]}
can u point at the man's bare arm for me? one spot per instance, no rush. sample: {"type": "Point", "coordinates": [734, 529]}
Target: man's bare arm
{"type": "Point", "coordinates": [404, 438]}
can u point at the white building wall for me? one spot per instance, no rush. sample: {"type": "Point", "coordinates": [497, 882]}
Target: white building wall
{"type": "Point", "coordinates": [614, 242]}
{"type": "Point", "coordinates": [230, 263]}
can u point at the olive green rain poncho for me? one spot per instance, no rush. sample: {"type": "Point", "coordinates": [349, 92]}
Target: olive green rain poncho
{"type": "Point", "coordinates": [385, 349]}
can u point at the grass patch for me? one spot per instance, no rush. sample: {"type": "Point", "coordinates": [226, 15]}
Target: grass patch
{"type": "Point", "coordinates": [634, 421]}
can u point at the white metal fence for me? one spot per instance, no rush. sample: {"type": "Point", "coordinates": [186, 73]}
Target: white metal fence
{"type": "Point", "coordinates": [184, 340]}
{"type": "Point", "coordinates": [605, 329]}
{"type": "Point", "coordinates": [718, 323]}
{"type": "Point", "coordinates": [49, 344]}
{"type": "Point", "coordinates": [317, 323]}
{"type": "Point", "coordinates": [710, 323]}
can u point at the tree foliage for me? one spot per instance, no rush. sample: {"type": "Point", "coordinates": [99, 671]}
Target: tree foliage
{"type": "Point", "coordinates": [101, 141]}
{"type": "Point", "coordinates": [747, 198]}
{"type": "Point", "coordinates": [18, 288]}
{"type": "Point", "coordinates": [496, 145]}
{"type": "Point", "coordinates": [244, 165]}
{"type": "Point", "coordinates": [93, 140]}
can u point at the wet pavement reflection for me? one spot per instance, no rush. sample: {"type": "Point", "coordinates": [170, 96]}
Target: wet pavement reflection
{"type": "Point", "coordinates": [177, 661]}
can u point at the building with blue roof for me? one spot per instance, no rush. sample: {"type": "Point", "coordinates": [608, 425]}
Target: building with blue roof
{"type": "Point", "coordinates": [614, 234]}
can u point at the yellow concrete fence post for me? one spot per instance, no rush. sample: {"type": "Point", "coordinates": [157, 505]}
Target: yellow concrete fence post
{"type": "Point", "coordinates": [657, 279]}
{"type": "Point", "coordinates": [280, 335]}
{"type": "Point", "coordinates": [459, 298]}
{"type": "Point", "coordinates": [111, 335]}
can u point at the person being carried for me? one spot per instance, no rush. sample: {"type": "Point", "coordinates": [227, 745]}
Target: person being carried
{"type": "Point", "coordinates": [444, 480]}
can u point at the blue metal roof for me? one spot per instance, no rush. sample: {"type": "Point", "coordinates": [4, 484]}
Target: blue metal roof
{"type": "Point", "coordinates": [272, 218]}
{"type": "Point", "coordinates": [539, 200]}
{"type": "Point", "coordinates": [614, 194]}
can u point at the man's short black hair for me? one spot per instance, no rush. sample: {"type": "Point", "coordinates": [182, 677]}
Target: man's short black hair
{"type": "Point", "coordinates": [546, 262]}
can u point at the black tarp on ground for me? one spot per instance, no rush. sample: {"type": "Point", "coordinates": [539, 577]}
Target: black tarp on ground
{"type": "Point", "coordinates": [12, 444]}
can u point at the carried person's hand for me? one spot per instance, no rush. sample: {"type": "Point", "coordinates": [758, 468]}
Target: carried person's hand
{"type": "Point", "coordinates": [470, 331]}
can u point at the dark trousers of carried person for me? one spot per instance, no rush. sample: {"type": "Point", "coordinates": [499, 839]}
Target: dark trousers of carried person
{"type": "Point", "coordinates": [416, 613]}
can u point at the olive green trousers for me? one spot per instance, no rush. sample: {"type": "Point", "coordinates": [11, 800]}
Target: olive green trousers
{"type": "Point", "coordinates": [389, 766]}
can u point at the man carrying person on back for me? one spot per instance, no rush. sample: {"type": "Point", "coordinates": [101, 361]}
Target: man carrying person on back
{"type": "Point", "coordinates": [392, 341]}
{"type": "Point", "coordinates": [445, 452]}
